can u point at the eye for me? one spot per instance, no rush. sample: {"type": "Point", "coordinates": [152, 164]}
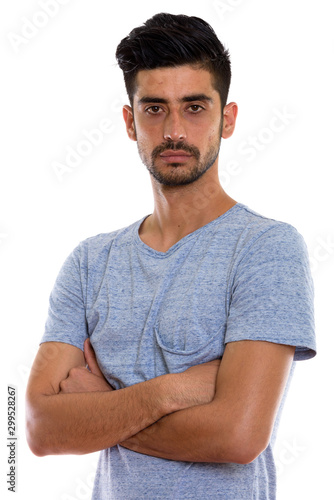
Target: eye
{"type": "Point", "coordinates": [154, 110]}
{"type": "Point", "coordinates": [195, 108]}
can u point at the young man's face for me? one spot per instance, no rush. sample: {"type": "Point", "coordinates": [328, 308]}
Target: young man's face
{"type": "Point", "coordinates": [177, 121]}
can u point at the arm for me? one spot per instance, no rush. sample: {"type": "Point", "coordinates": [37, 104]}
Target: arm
{"type": "Point", "coordinates": [236, 426]}
{"type": "Point", "coordinates": [72, 410]}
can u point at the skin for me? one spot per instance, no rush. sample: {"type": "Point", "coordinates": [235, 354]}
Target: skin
{"type": "Point", "coordinates": [222, 411]}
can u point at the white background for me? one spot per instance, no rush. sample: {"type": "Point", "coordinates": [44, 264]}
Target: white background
{"type": "Point", "coordinates": [60, 79]}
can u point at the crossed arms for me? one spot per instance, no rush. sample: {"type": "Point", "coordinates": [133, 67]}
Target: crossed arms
{"type": "Point", "coordinates": [222, 411]}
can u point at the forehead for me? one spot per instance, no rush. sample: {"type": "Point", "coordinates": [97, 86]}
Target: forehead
{"type": "Point", "coordinates": [174, 83]}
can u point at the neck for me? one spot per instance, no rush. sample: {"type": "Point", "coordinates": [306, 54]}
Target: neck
{"type": "Point", "coordinates": [180, 210]}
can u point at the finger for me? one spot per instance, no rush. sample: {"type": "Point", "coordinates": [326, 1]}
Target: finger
{"type": "Point", "coordinates": [91, 359]}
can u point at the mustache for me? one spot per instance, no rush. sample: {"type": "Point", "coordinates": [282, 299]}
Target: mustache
{"type": "Point", "coordinates": [176, 146]}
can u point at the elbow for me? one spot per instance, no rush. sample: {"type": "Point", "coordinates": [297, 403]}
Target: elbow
{"type": "Point", "coordinates": [247, 454]}
{"type": "Point", "coordinates": [36, 435]}
{"type": "Point", "coordinates": [242, 447]}
{"type": "Point", "coordinates": [35, 443]}
{"type": "Point", "coordinates": [44, 435]}
{"type": "Point", "coordinates": [248, 447]}
{"type": "Point", "coordinates": [249, 438]}
{"type": "Point", "coordinates": [35, 439]}
{"type": "Point", "coordinates": [37, 450]}
{"type": "Point", "coordinates": [241, 454]}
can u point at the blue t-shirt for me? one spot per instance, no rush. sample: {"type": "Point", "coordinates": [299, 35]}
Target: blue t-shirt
{"type": "Point", "coordinates": [147, 313]}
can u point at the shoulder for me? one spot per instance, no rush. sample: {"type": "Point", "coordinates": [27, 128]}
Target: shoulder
{"type": "Point", "coordinates": [103, 242]}
{"type": "Point", "coordinates": [93, 252]}
{"type": "Point", "coordinates": [255, 225]}
{"type": "Point", "coordinates": [270, 252]}
{"type": "Point", "coordinates": [255, 233]}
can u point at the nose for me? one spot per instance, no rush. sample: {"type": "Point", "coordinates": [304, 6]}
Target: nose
{"type": "Point", "coordinates": [174, 128]}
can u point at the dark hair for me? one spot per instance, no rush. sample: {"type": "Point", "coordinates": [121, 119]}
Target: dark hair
{"type": "Point", "coordinates": [168, 40]}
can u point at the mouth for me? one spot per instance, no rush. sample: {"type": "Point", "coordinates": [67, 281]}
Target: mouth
{"type": "Point", "coordinates": [175, 156]}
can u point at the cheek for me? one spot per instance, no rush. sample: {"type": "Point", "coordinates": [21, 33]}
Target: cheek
{"type": "Point", "coordinates": [146, 135]}
{"type": "Point", "coordinates": [213, 135]}
{"type": "Point", "coordinates": [145, 144]}
{"type": "Point", "coordinates": [211, 129]}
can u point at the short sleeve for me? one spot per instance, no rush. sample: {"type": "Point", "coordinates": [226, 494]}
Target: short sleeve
{"type": "Point", "coordinates": [271, 295]}
{"type": "Point", "coordinates": [66, 321]}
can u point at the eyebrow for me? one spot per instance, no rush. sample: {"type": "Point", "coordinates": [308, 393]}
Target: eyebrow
{"type": "Point", "coordinates": [188, 98]}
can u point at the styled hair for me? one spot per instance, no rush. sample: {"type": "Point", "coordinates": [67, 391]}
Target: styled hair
{"type": "Point", "coordinates": [168, 40]}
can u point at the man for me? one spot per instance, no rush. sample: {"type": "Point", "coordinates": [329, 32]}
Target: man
{"type": "Point", "coordinates": [189, 320]}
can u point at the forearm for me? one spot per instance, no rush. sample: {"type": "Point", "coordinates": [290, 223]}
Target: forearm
{"type": "Point", "coordinates": [197, 434]}
{"type": "Point", "coordinates": [236, 426]}
{"type": "Point", "coordinates": [86, 422]}
{"type": "Point", "coordinates": [74, 410]}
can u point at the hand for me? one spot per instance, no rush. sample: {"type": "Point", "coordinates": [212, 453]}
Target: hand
{"type": "Point", "coordinates": [198, 383]}
{"type": "Point", "coordinates": [82, 379]}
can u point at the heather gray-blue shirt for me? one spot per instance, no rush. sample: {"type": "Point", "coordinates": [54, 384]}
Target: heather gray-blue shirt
{"type": "Point", "coordinates": [147, 313]}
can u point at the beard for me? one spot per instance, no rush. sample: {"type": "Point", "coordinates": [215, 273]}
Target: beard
{"type": "Point", "coordinates": [179, 174]}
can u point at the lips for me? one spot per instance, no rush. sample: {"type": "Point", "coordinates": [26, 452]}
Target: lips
{"type": "Point", "coordinates": [175, 153]}
{"type": "Point", "coordinates": [175, 156]}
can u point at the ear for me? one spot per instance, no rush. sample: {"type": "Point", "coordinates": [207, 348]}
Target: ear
{"type": "Point", "coordinates": [230, 116]}
{"type": "Point", "coordinates": [129, 122]}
